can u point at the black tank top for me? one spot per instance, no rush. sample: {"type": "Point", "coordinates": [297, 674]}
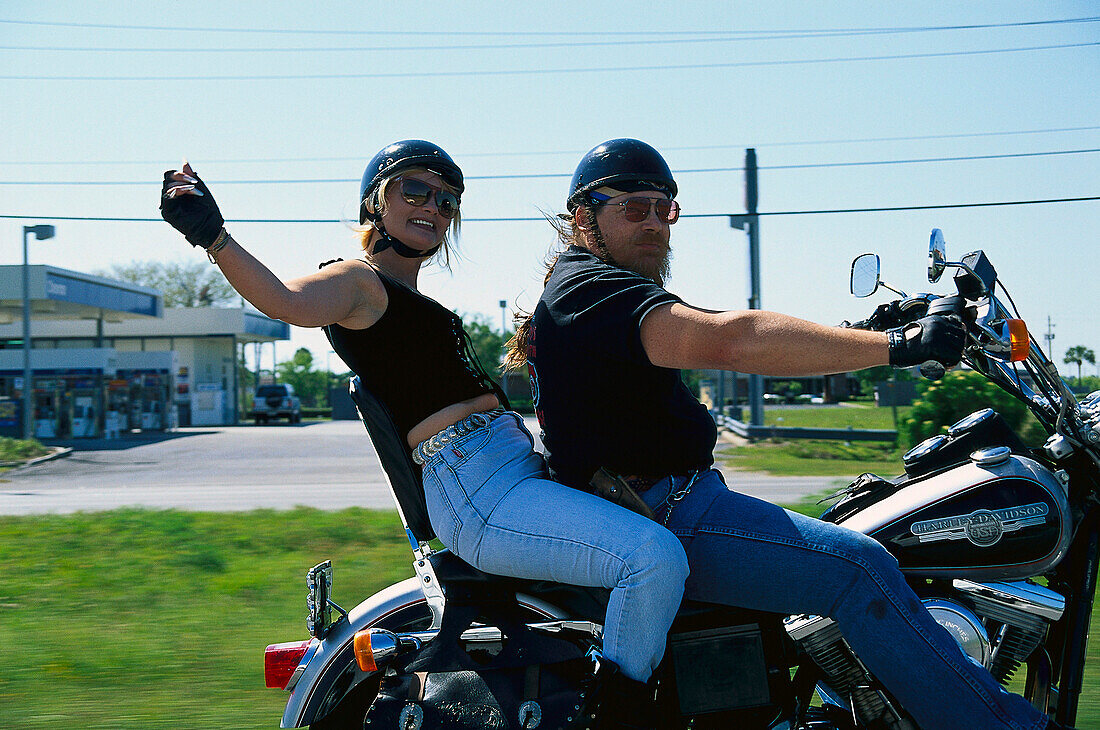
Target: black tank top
{"type": "Point", "coordinates": [416, 358]}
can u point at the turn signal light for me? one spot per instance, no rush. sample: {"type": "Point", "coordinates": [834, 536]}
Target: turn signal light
{"type": "Point", "coordinates": [363, 653]}
{"type": "Point", "coordinates": [280, 661]}
{"type": "Point", "coordinates": [1020, 339]}
{"type": "Point", "coordinates": [375, 646]}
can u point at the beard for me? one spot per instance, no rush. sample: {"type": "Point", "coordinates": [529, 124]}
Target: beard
{"type": "Point", "coordinates": [655, 268]}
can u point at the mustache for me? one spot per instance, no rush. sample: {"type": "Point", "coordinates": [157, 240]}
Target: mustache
{"type": "Point", "coordinates": [655, 238]}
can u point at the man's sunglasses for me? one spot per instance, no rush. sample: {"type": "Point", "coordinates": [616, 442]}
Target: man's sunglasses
{"type": "Point", "coordinates": [418, 192]}
{"type": "Point", "coordinates": [637, 210]}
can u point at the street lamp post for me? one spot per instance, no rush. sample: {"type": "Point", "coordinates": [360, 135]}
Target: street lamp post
{"type": "Point", "coordinates": [41, 232]}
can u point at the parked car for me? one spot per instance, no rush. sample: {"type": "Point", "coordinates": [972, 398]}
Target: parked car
{"type": "Point", "coordinates": [276, 401]}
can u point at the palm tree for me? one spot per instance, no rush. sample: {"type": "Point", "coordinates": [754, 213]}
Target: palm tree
{"type": "Point", "coordinates": [1079, 354]}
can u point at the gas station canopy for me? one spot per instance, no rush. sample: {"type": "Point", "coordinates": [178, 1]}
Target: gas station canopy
{"type": "Point", "coordinates": [70, 295]}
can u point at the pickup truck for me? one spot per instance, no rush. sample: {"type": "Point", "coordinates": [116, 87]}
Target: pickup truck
{"type": "Point", "coordinates": [276, 401]}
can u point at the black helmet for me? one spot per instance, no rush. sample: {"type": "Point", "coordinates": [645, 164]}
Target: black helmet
{"type": "Point", "coordinates": [403, 155]}
{"type": "Point", "coordinates": [626, 164]}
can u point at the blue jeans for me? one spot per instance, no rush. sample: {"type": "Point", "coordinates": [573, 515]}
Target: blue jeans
{"type": "Point", "coordinates": [491, 503]}
{"type": "Point", "coordinates": [750, 553]}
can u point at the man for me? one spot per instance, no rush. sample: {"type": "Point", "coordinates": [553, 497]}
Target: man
{"type": "Point", "coordinates": [604, 347]}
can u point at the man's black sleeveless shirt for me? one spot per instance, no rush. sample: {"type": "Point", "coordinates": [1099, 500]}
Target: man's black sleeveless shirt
{"type": "Point", "coordinates": [416, 358]}
{"type": "Point", "coordinates": [599, 399]}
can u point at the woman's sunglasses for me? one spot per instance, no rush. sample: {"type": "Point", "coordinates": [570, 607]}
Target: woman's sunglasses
{"type": "Point", "coordinates": [418, 192]}
{"type": "Point", "coordinates": [637, 210]}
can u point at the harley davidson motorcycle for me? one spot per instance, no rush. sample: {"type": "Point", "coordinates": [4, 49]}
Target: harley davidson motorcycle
{"type": "Point", "coordinates": [999, 538]}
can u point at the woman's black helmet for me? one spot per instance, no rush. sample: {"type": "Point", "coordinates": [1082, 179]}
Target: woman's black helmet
{"type": "Point", "coordinates": [400, 156]}
{"type": "Point", "coordinates": [629, 165]}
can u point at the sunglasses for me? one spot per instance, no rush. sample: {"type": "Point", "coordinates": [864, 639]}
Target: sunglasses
{"type": "Point", "coordinates": [418, 192]}
{"type": "Point", "coordinates": [637, 210]}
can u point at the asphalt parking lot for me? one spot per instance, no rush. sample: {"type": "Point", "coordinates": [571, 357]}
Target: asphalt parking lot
{"type": "Point", "coordinates": [328, 465]}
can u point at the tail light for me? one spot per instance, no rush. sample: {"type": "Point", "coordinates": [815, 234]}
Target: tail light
{"type": "Point", "coordinates": [280, 661]}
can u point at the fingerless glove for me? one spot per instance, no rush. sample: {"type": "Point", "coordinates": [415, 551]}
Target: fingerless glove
{"type": "Point", "coordinates": [937, 337]}
{"type": "Point", "coordinates": [196, 217]}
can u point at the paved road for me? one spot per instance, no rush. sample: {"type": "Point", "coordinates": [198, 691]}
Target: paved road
{"type": "Point", "coordinates": [327, 465]}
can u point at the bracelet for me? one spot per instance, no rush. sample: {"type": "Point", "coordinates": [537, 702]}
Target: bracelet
{"type": "Point", "coordinates": [218, 244]}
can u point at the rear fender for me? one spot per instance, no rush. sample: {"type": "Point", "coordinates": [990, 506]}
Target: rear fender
{"type": "Point", "coordinates": [332, 673]}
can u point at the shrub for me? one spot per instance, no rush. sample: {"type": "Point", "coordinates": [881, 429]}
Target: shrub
{"type": "Point", "coordinates": [960, 392]}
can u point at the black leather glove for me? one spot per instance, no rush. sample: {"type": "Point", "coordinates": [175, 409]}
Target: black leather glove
{"type": "Point", "coordinates": [937, 337]}
{"type": "Point", "coordinates": [197, 218]}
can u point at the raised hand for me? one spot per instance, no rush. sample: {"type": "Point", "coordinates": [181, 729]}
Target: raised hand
{"type": "Point", "coordinates": [187, 205]}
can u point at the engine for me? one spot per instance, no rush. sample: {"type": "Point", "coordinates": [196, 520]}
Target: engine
{"type": "Point", "coordinates": [998, 625]}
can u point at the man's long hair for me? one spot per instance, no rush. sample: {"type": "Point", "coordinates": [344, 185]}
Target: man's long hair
{"type": "Point", "coordinates": [568, 235]}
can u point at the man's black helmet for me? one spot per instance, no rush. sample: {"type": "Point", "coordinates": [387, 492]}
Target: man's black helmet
{"type": "Point", "coordinates": [629, 165]}
{"type": "Point", "coordinates": [403, 155]}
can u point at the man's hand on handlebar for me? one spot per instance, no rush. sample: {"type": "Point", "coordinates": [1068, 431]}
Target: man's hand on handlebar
{"type": "Point", "coordinates": [938, 338]}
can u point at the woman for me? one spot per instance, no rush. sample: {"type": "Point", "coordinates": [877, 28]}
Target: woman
{"type": "Point", "coordinates": [487, 494]}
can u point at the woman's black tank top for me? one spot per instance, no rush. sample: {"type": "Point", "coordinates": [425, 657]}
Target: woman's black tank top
{"type": "Point", "coordinates": [416, 358]}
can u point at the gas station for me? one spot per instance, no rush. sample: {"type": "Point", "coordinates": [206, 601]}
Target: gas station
{"type": "Point", "coordinates": [108, 358]}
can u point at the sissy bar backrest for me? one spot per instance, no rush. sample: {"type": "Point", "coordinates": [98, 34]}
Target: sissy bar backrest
{"type": "Point", "coordinates": [439, 572]}
{"type": "Point", "coordinates": [401, 473]}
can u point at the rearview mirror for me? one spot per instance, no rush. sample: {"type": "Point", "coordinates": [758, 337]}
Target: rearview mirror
{"type": "Point", "coordinates": [937, 256]}
{"type": "Point", "coordinates": [865, 275]}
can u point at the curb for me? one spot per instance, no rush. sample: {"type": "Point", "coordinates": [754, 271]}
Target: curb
{"type": "Point", "coordinates": [59, 452]}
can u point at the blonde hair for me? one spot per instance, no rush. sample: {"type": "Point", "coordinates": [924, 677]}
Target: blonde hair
{"type": "Point", "coordinates": [370, 230]}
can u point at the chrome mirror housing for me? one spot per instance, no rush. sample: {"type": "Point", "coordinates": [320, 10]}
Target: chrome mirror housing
{"type": "Point", "coordinates": [864, 280]}
{"type": "Point", "coordinates": [937, 256]}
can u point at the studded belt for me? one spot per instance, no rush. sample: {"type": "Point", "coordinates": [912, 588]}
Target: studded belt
{"type": "Point", "coordinates": [428, 448]}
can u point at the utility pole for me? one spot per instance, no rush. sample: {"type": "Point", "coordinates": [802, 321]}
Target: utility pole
{"type": "Point", "coordinates": [750, 222]}
{"type": "Point", "coordinates": [1049, 337]}
{"type": "Point", "coordinates": [503, 332]}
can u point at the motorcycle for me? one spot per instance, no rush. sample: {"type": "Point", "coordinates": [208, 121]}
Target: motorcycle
{"type": "Point", "coordinates": [999, 539]}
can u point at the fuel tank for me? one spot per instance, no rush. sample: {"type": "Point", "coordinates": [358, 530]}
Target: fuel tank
{"type": "Point", "coordinates": [996, 515]}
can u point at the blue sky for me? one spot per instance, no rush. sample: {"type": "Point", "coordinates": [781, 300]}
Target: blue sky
{"type": "Point", "coordinates": [116, 92]}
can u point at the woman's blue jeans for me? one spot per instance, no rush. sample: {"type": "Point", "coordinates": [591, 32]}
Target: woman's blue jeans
{"type": "Point", "coordinates": [491, 503]}
{"type": "Point", "coordinates": [750, 553]}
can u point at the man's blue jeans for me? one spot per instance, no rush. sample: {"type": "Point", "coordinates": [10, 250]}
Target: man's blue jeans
{"type": "Point", "coordinates": [491, 503]}
{"type": "Point", "coordinates": [746, 552]}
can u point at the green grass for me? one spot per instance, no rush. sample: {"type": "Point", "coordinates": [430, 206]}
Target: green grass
{"type": "Point", "coordinates": [20, 450]}
{"type": "Point", "coordinates": [135, 619]}
{"type": "Point", "coordinates": [853, 415]}
{"type": "Point", "coordinates": [814, 458]}
{"type": "Point", "coordinates": [143, 619]}
{"type": "Point", "coordinates": [806, 457]}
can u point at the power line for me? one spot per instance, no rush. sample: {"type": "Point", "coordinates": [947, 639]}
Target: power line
{"type": "Point", "coordinates": [920, 159]}
{"type": "Point", "coordinates": [547, 71]}
{"type": "Point", "coordinates": [709, 37]}
{"type": "Point", "coordinates": [540, 153]}
{"type": "Point", "coordinates": [447, 47]}
{"type": "Point", "coordinates": [521, 219]}
{"type": "Point", "coordinates": [944, 206]}
{"type": "Point", "coordinates": [457, 33]}
{"type": "Point", "coordinates": [552, 175]}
